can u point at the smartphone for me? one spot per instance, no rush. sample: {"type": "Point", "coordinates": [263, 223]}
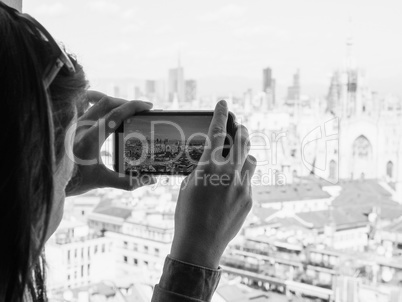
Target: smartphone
{"type": "Point", "coordinates": [165, 142]}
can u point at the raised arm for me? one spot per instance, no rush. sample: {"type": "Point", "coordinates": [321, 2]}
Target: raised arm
{"type": "Point", "coordinates": [213, 203]}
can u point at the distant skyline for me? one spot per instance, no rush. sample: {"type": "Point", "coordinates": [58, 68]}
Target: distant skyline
{"type": "Point", "coordinates": [165, 129]}
{"type": "Point", "coordinates": [225, 44]}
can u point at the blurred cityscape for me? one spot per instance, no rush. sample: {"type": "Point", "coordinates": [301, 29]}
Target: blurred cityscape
{"type": "Point", "coordinates": [326, 223]}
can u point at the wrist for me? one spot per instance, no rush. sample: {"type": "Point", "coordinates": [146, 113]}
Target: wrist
{"type": "Point", "coordinates": [194, 254]}
{"type": "Point", "coordinates": [185, 281]}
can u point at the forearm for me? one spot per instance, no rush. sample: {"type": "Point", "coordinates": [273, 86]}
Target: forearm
{"type": "Point", "coordinates": [182, 281]}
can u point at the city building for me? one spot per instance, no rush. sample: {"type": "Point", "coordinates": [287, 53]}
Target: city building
{"type": "Point", "coordinates": [233, 291]}
{"type": "Point", "coordinates": [191, 90]}
{"type": "Point", "coordinates": [105, 291]}
{"type": "Point", "coordinates": [150, 89]}
{"type": "Point", "coordinates": [368, 128]}
{"type": "Point", "coordinates": [294, 90]}
{"type": "Point", "coordinates": [356, 136]}
{"type": "Point", "coordinates": [292, 198]}
{"type": "Point", "coordinates": [109, 218]}
{"type": "Point", "coordinates": [142, 239]}
{"type": "Point", "coordinates": [343, 216]}
{"type": "Point", "coordinates": [267, 79]}
{"type": "Point", "coordinates": [389, 239]}
{"type": "Point", "coordinates": [142, 246]}
{"type": "Point", "coordinates": [137, 93]}
{"type": "Point", "coordinates": [282, 263]}
{"type": "Point", "coordinates": [81, 206]}
{"type": "Point", "coordinates": [268, 87]}
{"type": "Point", "coordinates": [78, 256]}
{"type": "Point", "coordinates": [335, 228]}
{"type": "Point", "coordinates": [176, 86]}
{"type": "Point", "coordinates": [161, 92]}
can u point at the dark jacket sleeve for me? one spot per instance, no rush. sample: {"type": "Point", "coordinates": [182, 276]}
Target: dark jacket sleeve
{"type": "Point", "coordinates": [182, 282]}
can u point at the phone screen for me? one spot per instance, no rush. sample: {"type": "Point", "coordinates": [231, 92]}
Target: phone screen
{"type": "Point", "coordinates": [164, 144]}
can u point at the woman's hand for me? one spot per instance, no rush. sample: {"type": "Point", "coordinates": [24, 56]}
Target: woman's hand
{"type": "Point", "coordinates": [215, 199]}
{"type": "Point", "coordinates": [93, 127]}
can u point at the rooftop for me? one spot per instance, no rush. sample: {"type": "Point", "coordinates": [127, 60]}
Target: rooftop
{"type": "Point", "coordinates": [62, 239]}
{"type": "Point", "coordinates": [364, 196]}
{"type": "Point", "coordinates": [289, 243]}
{"type": "Point", "coordinates": [100, 288]}
{"type": "Point", "coordinates": [292, 192]}
{"type": "Point", "coordinates": [66, 224]}
{"type": "Point", "coordinates": [115, 211]}
{"type": "Point", "coordinates": [236, 292]}
{"type": "Point", "coordinates": [342, 218]}
{"type": "Point", "coordinates": [315, 179]}
{"type": "Point", "coordinates": [361, 257]}
{"type": "Point", "coordinates": [367, 192]}
{"type": "Point", "coordinates": [263, 213]}
{"type": "Point", "coordinates": [159, 225]}
{"type": "Point", "coordinates": [394, 227]}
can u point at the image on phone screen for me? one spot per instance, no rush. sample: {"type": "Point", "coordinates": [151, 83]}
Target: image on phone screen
{"type": "Point", "coordinates": [164, 144]}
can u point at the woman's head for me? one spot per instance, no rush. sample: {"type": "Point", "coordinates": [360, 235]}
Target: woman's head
{"type": "Point", "coordinates": [34, 169]}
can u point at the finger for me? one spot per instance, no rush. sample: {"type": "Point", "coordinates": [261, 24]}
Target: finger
{"type": "Point", "coordinates": [116, 180]}
{"type": "Point", "coordinates": [248, 170]}
{"type": "Point", "coordinates": [240, 147]}
{"type": "Point", "coordinates": [91, 97]}
{"type": "Point", "coordinates": [217, 129]}
{"type": "Point", "coordinates": [94, 96]}
{"type": "Point", "coordinates": [102, 106]}
{"type": "Point", "coordinates": [113, 119]}
{"type": "Point", "coordinates": [123, 112]}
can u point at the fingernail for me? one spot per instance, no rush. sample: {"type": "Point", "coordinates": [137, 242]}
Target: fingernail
{"type": "Point", "coordinates": [149, 103]}
{"type": "Point", "coordinates": [223, 103]}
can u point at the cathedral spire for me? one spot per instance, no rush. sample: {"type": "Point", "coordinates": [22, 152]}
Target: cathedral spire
{"type": "Point", "coordinates": [350, 59]}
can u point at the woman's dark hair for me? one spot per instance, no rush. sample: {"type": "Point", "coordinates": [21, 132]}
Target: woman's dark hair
{"type": "Point", "coordinates": [33, 123]}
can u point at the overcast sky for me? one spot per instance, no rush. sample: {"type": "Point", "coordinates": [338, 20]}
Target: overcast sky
{"type": "Point", "coordinates": [218, 39]}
